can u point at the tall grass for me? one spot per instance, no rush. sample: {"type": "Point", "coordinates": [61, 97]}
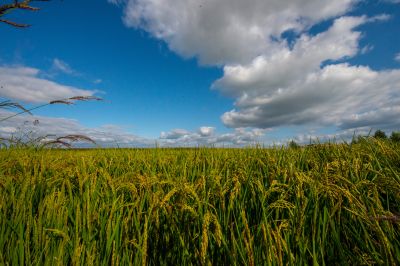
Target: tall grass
{"type": "Point", "coordinates": [321, 205]}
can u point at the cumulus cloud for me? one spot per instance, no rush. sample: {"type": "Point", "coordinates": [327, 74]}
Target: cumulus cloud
{"type": "Point", "coordinates": [227, 31]}
{"type": "Point", "coordinates": [206, 131]}
{"type": "Point", "coordinates": [25, 84]}
{"type": "Point", "coordinates": [276, 83]}
{"type": "Point", "coordinates": [341, 95]}
{"type": "Point", "coordinates": [266, 73]}
{"type": "Point", "coordinates": [175, 134]}
{"type": "Point", "coordinates": [291, 87]}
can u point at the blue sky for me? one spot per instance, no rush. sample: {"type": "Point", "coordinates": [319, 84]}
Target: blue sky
{"type": "Point", "coordinates": [206, 71]}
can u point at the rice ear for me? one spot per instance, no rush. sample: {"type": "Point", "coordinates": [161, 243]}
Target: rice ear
{"type": "Point", "coordinates": [8, 104]}
{"type": "Point", "coordinates": [77, 138]}
{"type": "Point", "coordinates": [55, 142]}
{"type": "Point", "coordinates": [85, 98]}
{"type": "Point", "coordinates": [65, 140]}
{"type": "Point", "coordinates": [61, 101]}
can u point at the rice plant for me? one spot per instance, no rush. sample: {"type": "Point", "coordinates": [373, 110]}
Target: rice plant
{"type": "Point", "coordinates": [325, 204]}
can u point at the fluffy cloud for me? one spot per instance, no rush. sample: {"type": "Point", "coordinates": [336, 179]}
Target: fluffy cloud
{"type": "Point", "coordinates": [266, 73]}
{"type": "Point", "coordinates": [277, 82]}
{"type": "Point", "coordinates": [175, 134]}
{"type": "Point", "coordinates": [291, 88]}
{"type": "Point", "coordinates": [25, 84]}
{"type": "Point", "coordinates": [227, 31]}
{"type": "Point", "coordinates": [341, 95]}
{"type": "Point", "coordinates": [206, 131]}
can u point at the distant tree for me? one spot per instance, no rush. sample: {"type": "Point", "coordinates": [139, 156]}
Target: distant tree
{"type": "Point", "coordinates": [379, 134]}
{"type": "Point", "coordinates": [17, 5]}
{"type": "Point", "coordinates": [395, 136]}
{"type": "Point", "coordinates": [293, 145]}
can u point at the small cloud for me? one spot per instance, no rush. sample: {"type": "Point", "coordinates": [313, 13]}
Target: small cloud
{"type": "Point", "coordinates": [397, 57]}
{"type": "Point", "coordinates": [175, 134]}
{"type": "Point", "coordinates": [61, 66]}
{"type": "Point", "coordinates": [206, 131]}
{"type": "Point", "coordinates": [366, 49]}
{"type": "Point", "coordinates": [380, 17]}
{"type": "Point", "coordinates": [97, 81]}
{"type": "Point", "coordinates": [117, 2]}
{"type": "Point", "coordinates": [207, 136]}
{"type": "Point", "coordinates": [26, 84]}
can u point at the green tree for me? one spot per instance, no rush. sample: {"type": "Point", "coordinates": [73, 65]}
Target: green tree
{"type": "Point", "coordinates": [293, 145]}
{"type": "Point", "coordinates": [395, 136]}
{"type": "Point", "coordinates": [379, 134]}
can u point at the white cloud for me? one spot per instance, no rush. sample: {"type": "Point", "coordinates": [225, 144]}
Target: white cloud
{"type": "Point", "coordinates": [206, 136]}
{"type": "Point", "coordinates": [397, 57]}
{"type": "Point", "coordinates": [59, 65]}
{"type": "Point", "coordinates": [366, 49]}
{"type": "Point", "coordinates": [337, 95]}
{"type": "Point", "coordinates": [227, 31]}
{"type": "Point", "coordinates": [25, 84]}
{"type": "Point", "coordinates": [175, 134]}
{"type": "Point", "coordinates": [206, 131]}
{"type": "Point", "coordinates": [291, 88]}
{"type": "Point", "coordinates": [380, 18]}
{"type": "Point", "coordinates": [117, 2]}
{"type": "Point", "coordinates": [278, 70]}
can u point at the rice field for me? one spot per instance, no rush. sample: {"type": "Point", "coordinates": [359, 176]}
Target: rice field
{"type": "Point", "coordinates": [325, 204]}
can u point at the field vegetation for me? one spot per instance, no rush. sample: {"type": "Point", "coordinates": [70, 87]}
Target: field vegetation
{"type": "Point", "coordinates": [323, 204]}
